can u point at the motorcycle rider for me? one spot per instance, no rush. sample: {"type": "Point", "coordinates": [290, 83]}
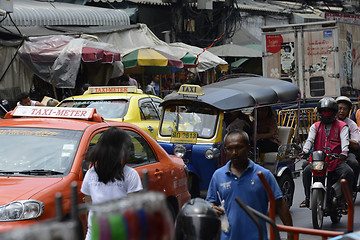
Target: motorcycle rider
{"type": "Point", "coordinates": [344, 105]}
{"type": "Point", "coordinates": [332, 133]}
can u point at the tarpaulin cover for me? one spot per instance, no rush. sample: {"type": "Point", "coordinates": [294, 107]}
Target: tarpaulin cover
{"type": "Point", "coordinates": [205, 59]}
{"type": "Point", "coordinates": [59, 57]}
{"type": "Point", "coordinates": [244, 92]}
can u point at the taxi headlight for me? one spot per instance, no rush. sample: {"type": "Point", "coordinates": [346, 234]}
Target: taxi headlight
{"type": "Point", "coordinates": [212, 153]}
{"type": "Point", "coordinates": [21, 210]}
{"type": "Point", "coordinates": [318, 165]}
{"type": "Point", "coordinates": [179, 150]}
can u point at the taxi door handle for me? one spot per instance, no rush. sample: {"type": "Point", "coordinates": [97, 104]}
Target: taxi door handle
{"type": "Point", "coordinates": [150, 128]}
{"type": "Point", "coordinates": [158, 173]}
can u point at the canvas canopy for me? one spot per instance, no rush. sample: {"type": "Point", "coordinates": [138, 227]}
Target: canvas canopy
{"type": "Point", "coordinates": [243, 92]}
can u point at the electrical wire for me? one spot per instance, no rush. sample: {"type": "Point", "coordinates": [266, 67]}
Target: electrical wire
{"type": "Point", "coordinates": [211, 22]}
{"type": "Point", "coordinates": [15, 24]}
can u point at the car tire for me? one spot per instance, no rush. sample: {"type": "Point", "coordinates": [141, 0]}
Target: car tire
{"type": "Point", "coordinates": [171, 209]}
{"type": "Point", "coordinates": [194, 185]}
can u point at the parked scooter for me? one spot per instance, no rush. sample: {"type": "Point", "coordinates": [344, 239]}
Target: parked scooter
{"type": "Point", "coordinates": [325, 193]}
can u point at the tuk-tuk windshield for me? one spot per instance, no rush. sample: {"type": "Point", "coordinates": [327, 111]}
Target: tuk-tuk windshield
{"type": "Point", "coordinates": [189, 118]}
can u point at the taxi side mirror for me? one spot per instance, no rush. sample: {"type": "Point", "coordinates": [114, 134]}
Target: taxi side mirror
{"type": "Point", "coordinates": [85, 167]}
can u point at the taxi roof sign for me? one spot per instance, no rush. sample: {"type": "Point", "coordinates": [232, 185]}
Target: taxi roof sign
{"type": "Point", "coordinates": [189, 89]}
{"type": "Point", "coordinates": [57, 112]}
{"type": "Point", "coordinates": [113, 89]}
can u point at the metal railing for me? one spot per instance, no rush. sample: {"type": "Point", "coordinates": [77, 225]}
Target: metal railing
{"type": "Point", "coordinates": [288, 118]}
{"type": "Point", "coordinates": [307, 117]}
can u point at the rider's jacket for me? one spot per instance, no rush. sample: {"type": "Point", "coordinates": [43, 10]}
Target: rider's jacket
{"type": "Point", "coordinates": [333, 140]}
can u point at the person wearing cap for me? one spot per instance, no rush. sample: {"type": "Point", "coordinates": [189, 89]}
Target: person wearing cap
{"type": "Point", "coordinates": [344, 106]}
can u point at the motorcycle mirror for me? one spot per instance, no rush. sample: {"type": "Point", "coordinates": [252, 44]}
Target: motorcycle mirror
{"type": "Point", "coordinates": [283, 149]}
{"type": "Point", "coordinates": [4, 102]}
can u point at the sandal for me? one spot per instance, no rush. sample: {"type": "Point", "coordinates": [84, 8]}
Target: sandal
{"type": "Point", "coordinates": [343, 208]}
{"type": "Point", "coordinates": [304, 204]}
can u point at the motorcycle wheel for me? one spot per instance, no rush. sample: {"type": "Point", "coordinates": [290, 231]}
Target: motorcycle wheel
{"type": "Point", "coordinates": [317, 208]}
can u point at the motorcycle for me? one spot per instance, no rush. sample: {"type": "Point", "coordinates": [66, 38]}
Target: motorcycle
{"type": "Point", "coordinates": [325, 191]}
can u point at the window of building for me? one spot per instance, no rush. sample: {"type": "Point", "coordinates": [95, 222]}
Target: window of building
{"type": "Point", "coordinates": [317, 86]}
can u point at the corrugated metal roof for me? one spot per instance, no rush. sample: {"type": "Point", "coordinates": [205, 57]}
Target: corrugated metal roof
{"type": "Point", "coordinates": [35, 13]}
{"type": "Point", "coordinates": [257, 8]}
{"type": "Point", "coordinates": [151, 2]}
{"type": "Point", "coordinates": [251, 5]}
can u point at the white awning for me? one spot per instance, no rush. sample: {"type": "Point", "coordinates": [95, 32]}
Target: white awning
{"type": "Point", "coordinates": [37, 13]}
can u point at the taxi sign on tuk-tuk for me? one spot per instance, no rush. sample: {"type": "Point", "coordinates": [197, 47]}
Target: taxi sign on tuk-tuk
{"type": "Point", "coordinates": [113, 89]}
{"type": "Point", "coordinates": [188, 89]}
{"type": "Point", "coordinates": [58, 112]}
{"type": "Point", "coordinates": [183, 137]}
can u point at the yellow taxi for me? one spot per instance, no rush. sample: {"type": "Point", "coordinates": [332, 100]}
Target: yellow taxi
{"type": "Point", "coordinates": [43, 152]}
{"type": "Point", "coordinates": [121, 103]}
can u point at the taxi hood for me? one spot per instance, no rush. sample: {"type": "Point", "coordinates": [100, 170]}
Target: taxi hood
{"type": "Point", "coordinates": [22, 188]}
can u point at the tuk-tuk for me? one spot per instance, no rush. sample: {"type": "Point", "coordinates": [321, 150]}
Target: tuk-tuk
{"type": "Point", "coordinates": [192, 127]}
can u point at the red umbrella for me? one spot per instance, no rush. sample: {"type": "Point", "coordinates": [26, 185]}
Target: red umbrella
{"type": "Point", "coordinates": [94, 55]}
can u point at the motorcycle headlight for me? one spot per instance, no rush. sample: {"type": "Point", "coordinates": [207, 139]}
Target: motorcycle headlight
{"type": "Point", "coordinates": [212, 153]}
{"type": "Point", "coordinates": [318, 165]}
{"type": "Point", "coordinates": [21, 210]}
{"type": "Point", "coordinates": [179, 150]}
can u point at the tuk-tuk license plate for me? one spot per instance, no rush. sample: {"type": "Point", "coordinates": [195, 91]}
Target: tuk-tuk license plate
{"type": "Point", "coordinates": [183, 137]}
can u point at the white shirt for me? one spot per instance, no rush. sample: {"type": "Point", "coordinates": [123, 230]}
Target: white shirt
{"type": "Point", "coordinates": [101, 192]}
{"type": "Point", "coordinates": [32, 103]}
{"type": "Point", "coordinates": [353, 130]}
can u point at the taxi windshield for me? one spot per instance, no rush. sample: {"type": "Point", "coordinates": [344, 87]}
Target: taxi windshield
{"type": "Point", "coordinates": [115, 108]}
{"type": "Point", "coordinates": [189, 118]}
{"type": "Point", "coordinates": [37, 151]}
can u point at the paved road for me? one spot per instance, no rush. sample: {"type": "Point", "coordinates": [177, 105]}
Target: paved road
{"type": "Point", "coordinates": [302, 216]}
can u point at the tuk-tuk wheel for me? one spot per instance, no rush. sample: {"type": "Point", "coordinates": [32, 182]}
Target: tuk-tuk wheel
{"type": "Point", "coordinates": [287, 186]}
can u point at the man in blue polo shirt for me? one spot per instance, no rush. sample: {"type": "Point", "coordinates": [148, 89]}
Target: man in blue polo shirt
{"type": "Point", "coordinates": [238, 178]}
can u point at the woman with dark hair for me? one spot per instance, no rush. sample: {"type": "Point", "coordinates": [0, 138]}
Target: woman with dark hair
{"type": "Point", "coordinates": [267, 130]}
{"type": "Point", "coordinates": [109, 178]}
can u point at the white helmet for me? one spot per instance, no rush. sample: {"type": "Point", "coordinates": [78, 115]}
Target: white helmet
{"type": "Point", "coordinates": [344, 99]}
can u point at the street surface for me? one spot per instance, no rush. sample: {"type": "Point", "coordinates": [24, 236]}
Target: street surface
{"type": "Point", "coordinates": [302, 216]}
